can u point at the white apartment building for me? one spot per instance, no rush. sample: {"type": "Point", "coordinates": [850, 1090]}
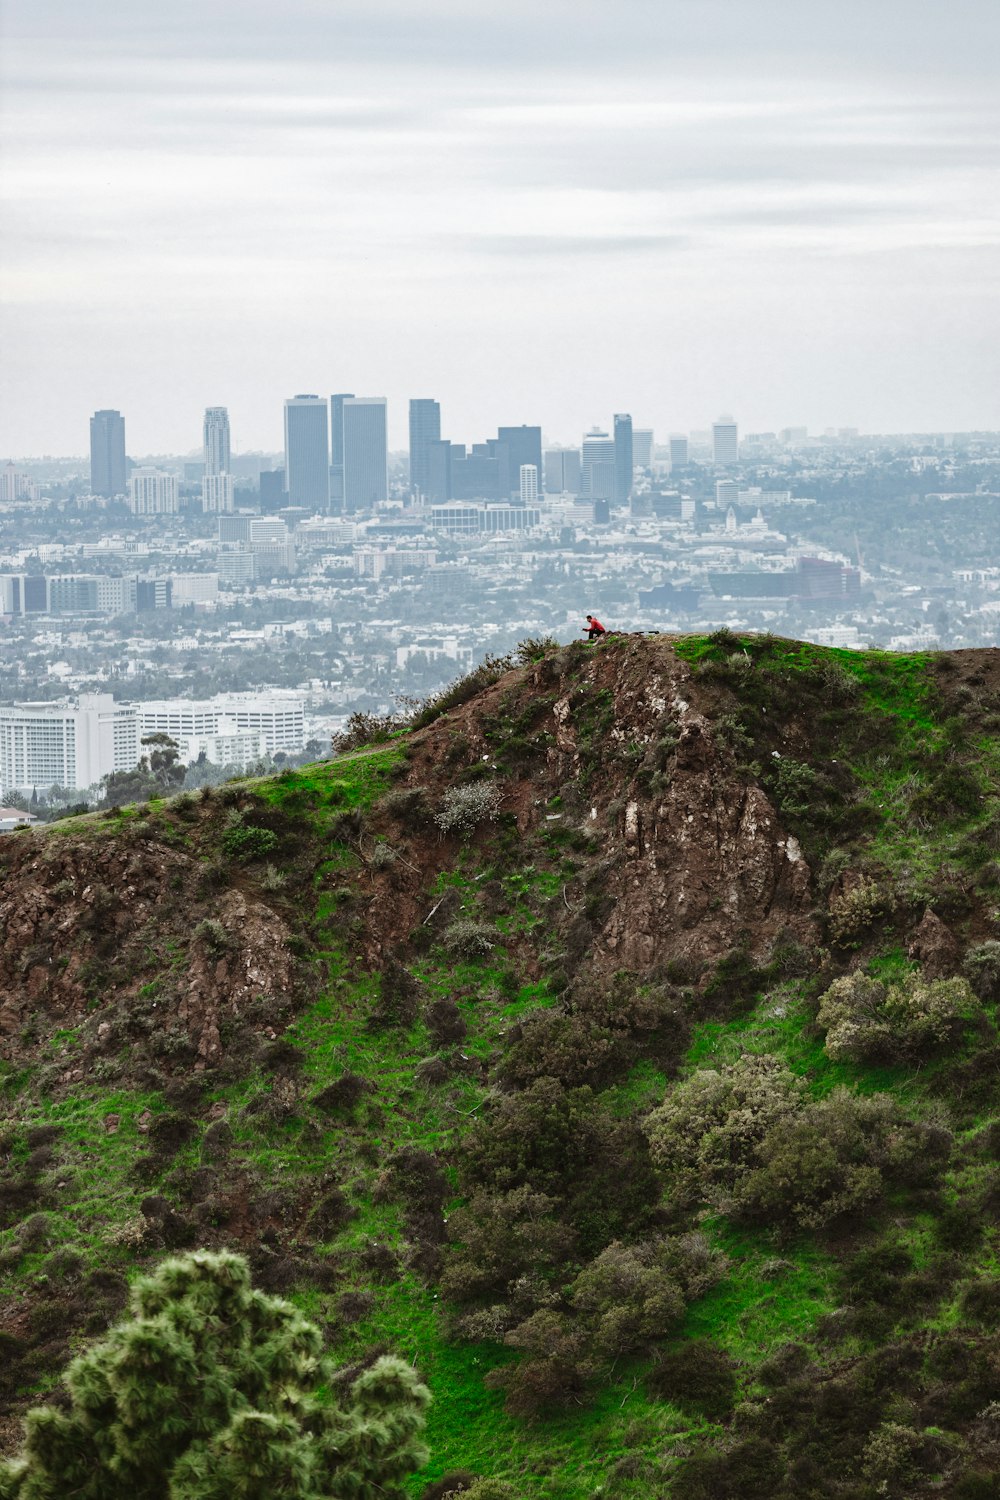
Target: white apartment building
{"type": "Point", "coordinates": [278, 716]}
{"type": "Point", "coordinates": [152, 493]}
{"type": "Point", "coordinates": [70, 744]}
{"type": "Point", "coordinates": [217, 494]}
{"type": "Point", "coordinates": [228, 747]}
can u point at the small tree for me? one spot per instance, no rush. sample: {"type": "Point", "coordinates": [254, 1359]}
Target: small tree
{"type": "Point", "coordinates": [205, 1394]}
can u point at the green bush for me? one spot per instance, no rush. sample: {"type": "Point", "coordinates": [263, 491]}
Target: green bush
{"type": "Point", "coordinates": [245, 842]}
{"type": "Point", "coordinates": [860, 908]}
{"type": "Point", "coordinates": [982, 969]}
{"type": "Point", "coordinates": [470, 939]}
{"type": "Point", "coordinates": [205, 1393]}
{"type": "Point", "coordinates": [747, 1140]}
{"type": "Point", "coordinates": [866, 1020]}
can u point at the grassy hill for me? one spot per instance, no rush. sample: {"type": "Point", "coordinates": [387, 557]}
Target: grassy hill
{"type": "Point", "coordinates": [619, 1046]}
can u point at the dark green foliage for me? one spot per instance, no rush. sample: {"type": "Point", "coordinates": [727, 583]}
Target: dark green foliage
{"type": "Point", "coordinates": [747, 1139]}
{"type": "Point", "coordinates": [982, 969]}
{"type": "Point", "coordinates": [206, 1391]}
{"type": "Point", "coordinates": [489, 671]}
{"type": "Point", "coordinates": [246, 842]}
{"type": "Point", "coordinates": [697, 1375]}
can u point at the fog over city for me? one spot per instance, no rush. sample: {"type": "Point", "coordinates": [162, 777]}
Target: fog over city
{"type": "Point", "coordinates": [536, 212]}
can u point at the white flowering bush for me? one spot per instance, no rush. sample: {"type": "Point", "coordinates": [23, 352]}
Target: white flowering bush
{"type": "Point", "coordinates": [465, 808]}
{"type": "Point", "coordinates": [868, 1020]}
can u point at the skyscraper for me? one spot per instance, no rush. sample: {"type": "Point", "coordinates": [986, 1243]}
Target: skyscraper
{"type": "Point", "coordinates": [307, 452]}
{"type": "Point", "coordinates": [597, 476]}
{"type": "Point", "coordinates": [623, 458]}
{"type": "Point", "coordinates": [562, 471]}
{"type": "Point", "coordinates": [337, 448]}
{"type": "Point", "coordinates": [725, 441]}
{"type": "Point", "coordinates": [678, 452]}
{"type": "Point", "coordinates": [216, 440]}
{"type": "Point", "coordinates": [516, 446]}
{"type": "Point", "coordinates": [529, 484]}
{"type": "Point", "coordinates": [425, 428]}
{"type": "Point", "coordinates": [366, 453]}
{"type": "Point", "coordinates": [107, 453]}
{"type": "Point", "coordinates": [642, 447]}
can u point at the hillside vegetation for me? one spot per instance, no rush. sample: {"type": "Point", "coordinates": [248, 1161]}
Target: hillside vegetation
{"type": "Point", "coordinates": [616, 1043]}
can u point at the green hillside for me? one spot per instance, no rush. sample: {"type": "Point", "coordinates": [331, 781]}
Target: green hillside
{"type": "Point", "coordinates": [616, 1043]}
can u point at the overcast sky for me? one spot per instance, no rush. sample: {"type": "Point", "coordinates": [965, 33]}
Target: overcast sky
{"type": "Point", "coordinates": [540, 212]}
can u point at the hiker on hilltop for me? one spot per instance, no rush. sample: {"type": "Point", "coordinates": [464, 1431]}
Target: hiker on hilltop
{"type": "Point", "coordinates": [594, 628]}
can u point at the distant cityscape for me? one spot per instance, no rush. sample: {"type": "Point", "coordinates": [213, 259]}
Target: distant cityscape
{"type": "Point", "coordinates": [247, 603]}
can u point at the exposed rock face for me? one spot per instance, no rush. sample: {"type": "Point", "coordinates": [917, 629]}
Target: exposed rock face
{"type": "Point", "coordinates": [84, 920]}
{"type": "Point", "coordinates": [935, 948]}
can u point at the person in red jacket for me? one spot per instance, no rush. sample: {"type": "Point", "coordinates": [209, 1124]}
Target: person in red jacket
{"type": "Point", "coordinates": [594, 628]}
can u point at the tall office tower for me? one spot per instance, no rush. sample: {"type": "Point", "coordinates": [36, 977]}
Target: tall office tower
{"type": "Point", "coordinates": [642, 447]}
{"type": "Point", "coordinates": [624, 463]}
{"type": "Point", "coordinates": [678, 452]}
{"type": "Point", "coordinates": [439, 470]}
{"type": "Point", "coordinates": [562, 471]}
{"type": "Point", "coordinates": [725, 441]}
{"type": "Point", "coordinates": [516, 446]}
{"type": "Point", "coordinates": [272, 490]}
{"type": "Point", "coordinates": [307, 452]}
{"type": "Point", "coordinates": [216, 440]}
{"type": "Point", "coordinates": [337, 448]}
{"type": "Point", "coordinates": [425, 428]}
{"type": "Point", "coordinates": [529, 484]}
{"type": "Point", "coordinates": [107, 454]}
{"type": "Point", "coordinates": [366, 453]}
{"type": "Point", "coordinates": [597, 466]}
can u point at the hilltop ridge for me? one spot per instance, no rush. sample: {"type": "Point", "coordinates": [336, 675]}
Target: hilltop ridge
{"type": "Point", "coordinates": [624, 1034]}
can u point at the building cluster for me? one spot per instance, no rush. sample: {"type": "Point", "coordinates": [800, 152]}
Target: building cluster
{"type": "Point", "coordinates": [352, 578]}
{"type": "Point", "coordinates": [73, 743]}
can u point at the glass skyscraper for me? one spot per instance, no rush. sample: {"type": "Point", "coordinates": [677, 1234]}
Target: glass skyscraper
{"type": "Point", "coordinates": [107, 454]}
{"type": "Point", "coordinates": [366, 452]}
{"type": "Point", "coordinates": [216, 440]}
{"type": "Point", "coordinates": [307, 452]}
{"type": "Point", "coordinates": [425, 428]}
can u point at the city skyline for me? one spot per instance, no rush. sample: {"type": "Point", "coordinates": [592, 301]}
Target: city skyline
{"type": "Point", "coordinates": [689, 208]}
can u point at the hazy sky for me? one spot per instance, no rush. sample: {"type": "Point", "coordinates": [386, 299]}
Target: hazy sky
{"type": "Point", "coordinates": [541, 212]}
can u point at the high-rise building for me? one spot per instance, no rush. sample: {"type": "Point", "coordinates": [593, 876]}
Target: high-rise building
{"type": "Point", "coordinates": [307, 452]}
{"type": "Point", "coordinates": [108, 468]}
{"type": "Point", "coordinates": [218, 459]}
{"type": "Point", "coordinates": [642, 447]}
{"type": "Point", "coordinates": [70, 744]}
{"type": "Point", "coordinates": [725, 441]}
{"type": "Point", "coordinates": [678, 452]}
{"type": "Point", "coordinates": [366, 453]}
{"type": "Point", "coordinates": [217, 493]}
{"type": "Point", "coordinates": [529, 484]}
{"type": "Point", "coordinates": [272, 490]}
{"type": "Point", "coordinates": [439, 470]}
{"type": "Point", "coordinates": [337, 448]}
{"type": "Point", "coordinates": [624, 463]}
{"type": "Point", "coordinates": [152, 493]}
{"type": "Point", "coordinates": [597, 466]}
{"type": "Point", "coordinates": [516, 446]}
{"type": "Point", "coordinates": [562, 471]}
{"type": "Point", "coordinates": [425, 428]}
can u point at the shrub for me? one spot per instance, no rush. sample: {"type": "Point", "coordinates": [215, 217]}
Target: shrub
{"type": "Point", "coordinates": [206, 1391]}
{"type": "Point", "coordinates": [748, 1140]}
{"type": "Point", "coordinates": [699, 1374]}
{"type": "Point", "coordinates": [245, 842]}
{"type": "Point", "coordinates": [982, 969]}
{"type": "Point", "coordinates": [866, 1020]}
{"type": "Point", "coordinates": [533, 648]}
{"type": "Point", "coordinates": [272, 879]}
{"type": "Point", "coordinates": [465, 808]}
{"type": "Point", "coordinates": [857, 910]}
{"type": "Point", "coordinates": [366, 729]}
{"type": "Point", "coordinates": [469, 939]}
{"type": "Point", "coordinates": [489, 671]}
{"type": "Point", "coordinates": [445, 1022]}
{"type": "Point", "coordinates": [211, 932]}
{"type": "Point", "coordinates": [398, 994]}
{"type": "Point", "coordinates": [409, 806]}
